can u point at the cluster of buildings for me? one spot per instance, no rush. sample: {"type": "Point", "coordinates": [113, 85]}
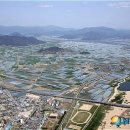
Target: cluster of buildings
{"type": "Point", "coordinates": [30, 112]}
{"type": "Point", "coordinates": [24, 112]}
{"type": "Point", "coordinates": [53, 116]}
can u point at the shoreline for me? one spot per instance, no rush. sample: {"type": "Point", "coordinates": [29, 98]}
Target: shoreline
{"type": "Point", "coordinates": [105, 125]}
{"type": "Point", "coordinates": [116, 91]}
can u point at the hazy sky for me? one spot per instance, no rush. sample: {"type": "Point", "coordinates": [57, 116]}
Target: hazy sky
{"type": "Point", "coordinates": [66, 14]}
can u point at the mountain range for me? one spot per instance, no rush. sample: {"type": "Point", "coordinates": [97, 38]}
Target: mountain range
{"type": "Point", "coordinates": [98, 33]}
{"type": "Point", "coordinates": [24, 30]}
{"type": "Point", "coordinates": [90, 33]}
{"type": "Point", "coordinates": [15, 40]}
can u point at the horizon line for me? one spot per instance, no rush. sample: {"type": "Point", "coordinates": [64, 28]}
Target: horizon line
{"type": "Point", "coordinates": [63, 27]}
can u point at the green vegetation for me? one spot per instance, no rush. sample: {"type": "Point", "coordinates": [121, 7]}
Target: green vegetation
{"type": "Point", "coordinates": [51, 124]}
{"type": "Point", "coordinates": [2, 51]}
{"type": "Point", "coordinates": [78, 83]}
{"type": "Point", "coordinates": [15, 67]}
{"type": "Point", "coordinates": [71, 94]}
{"type": "Point", "coordinates": [85, 73]}
{"type": "Point", "coordinates": [70, 60]}
{"type": "Point", "coordinates": [59, 122]}
{"type": "Point", "coordinates": [113, 83]}
{"type": "Point", "coordinates": [52, 87]}
{"type": "Point", "coordinates": [21, 77]}
{"type": "Point", "coordinates": [93, 109]}
{"type": "Point", "coordinates": [81, 117]}
{"type": "Point", "coordinates": [97, 118]}
{"type": "Point", "coordinates": [32, 60]}
{"type": "Point", "coordinates": [23, 73]}
{"type": "Point", "coordinates": [128, 78]}
{"type": "Point", "coordinates": [96, 68]}
{"type": "Point", "coordinates": [69, 73]}
{"type": "Point", "coordinates": [85, 52]}
{"type": "Point", "coordinates": [52, 59]}
{"type": "Point", "coordinates": [70, 67]}
{"type": "Point", "coordinates": [22, 85]}
{"type": "Point", "coordinates": [55, 88]}
{"type": "Point", "coordinates": [68, 117]}
{"type": "Point", "coordinates": [118, 98]}
{"type": "Point", "coordinates": [2, 76]}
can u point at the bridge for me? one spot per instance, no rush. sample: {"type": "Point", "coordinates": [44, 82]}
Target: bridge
{"type": "Point", "coordinates": [76, 98]}
{"type": "Point", "coordinates": [86, 100]}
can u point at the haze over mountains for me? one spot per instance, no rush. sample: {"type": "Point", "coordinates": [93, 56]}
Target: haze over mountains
{"type": "Point", "coordinates": [98, 33]}
{"type": "Point", "coordinates": [47, 30]}
{"type": "Point", "coordinates": [14, 34]}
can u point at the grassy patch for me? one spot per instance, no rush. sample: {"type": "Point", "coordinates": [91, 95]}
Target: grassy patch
{"type": "Point", "coordinates": [81, 117]}
{"type": "Point", "coordinates": [93, 109]}
{"type": "Point", "coordinates": [118, 98]}
{"type": "Point", "coordinates": [97, 118]}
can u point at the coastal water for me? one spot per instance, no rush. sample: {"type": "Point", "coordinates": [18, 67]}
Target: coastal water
{"type": "Point", "coordinates": [125, 86]}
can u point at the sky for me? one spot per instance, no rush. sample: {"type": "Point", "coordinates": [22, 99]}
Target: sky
{"type": "Point", "coordinates": [69, 14]}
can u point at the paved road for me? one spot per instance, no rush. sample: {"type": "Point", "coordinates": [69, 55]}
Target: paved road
{"type": "Point", "coordinates": [74, 98]}
{"type": "Point", "coordinates": [98, 102]}
{"type": "Point", "coordinates": [71, 108]}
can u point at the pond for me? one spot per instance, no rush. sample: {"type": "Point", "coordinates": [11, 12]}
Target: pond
{"type": "Point", "coordinates": [125, 86]}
